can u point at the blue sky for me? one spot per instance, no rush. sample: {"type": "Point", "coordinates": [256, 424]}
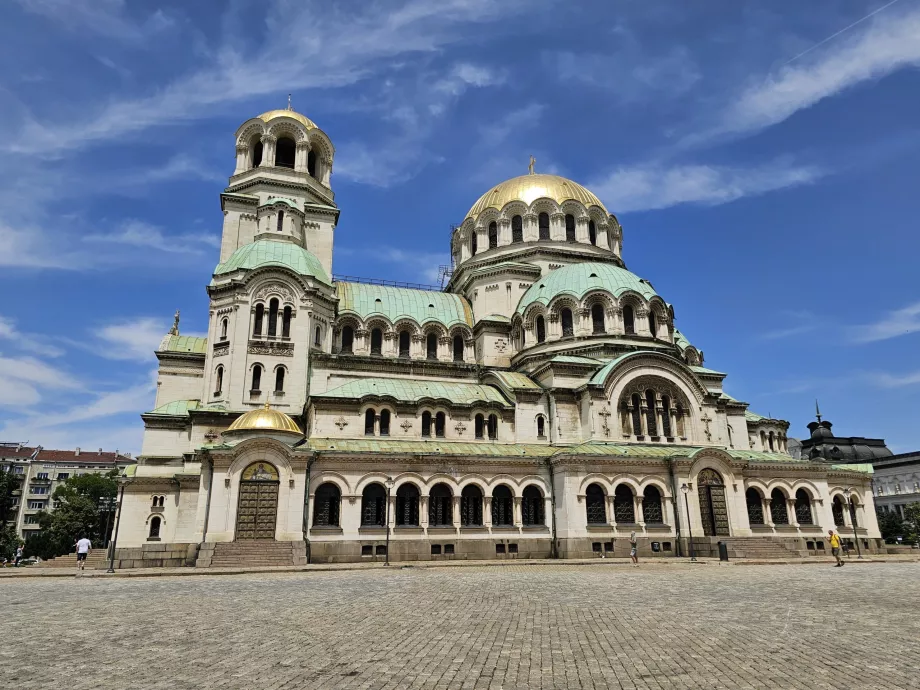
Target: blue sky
{"type": "Point", "coordinates": [763, 168]}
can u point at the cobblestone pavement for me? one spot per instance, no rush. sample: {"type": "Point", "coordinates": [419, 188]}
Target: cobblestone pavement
{"type": "Point", "coordinates": [514, 627]}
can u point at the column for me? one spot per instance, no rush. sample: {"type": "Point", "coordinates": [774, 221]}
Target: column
{"type": "Point", "coordinates": [300, 159]}
{"type": "Point", "coordinates": [790, 510]}
{"type": "Point", "coordinates": [423, 511]}
{"type": "Point", "coordinates": [672, 413]}
{"type": "Point", "coordinates": [392, 501]}
{"type": "Point", "coordinates": [643, 416]}
{"type": "Point", "coordinates": [455, 511]}
{"type": "Point", "coordinates": [548, 512]}
{"type": "Point", "coordinates": [658, 416]}
{"type": "Point", "coordinates": [268, 151]}
{"type": "Point", "coordinates": [637, 506]}
{"type": "Point", "coordinates": [487, 512]}
{"type": "Point", "coordinates": [325, 170]}
{"type": "Point", "coordinates": [517, 511]}
{"type": "Point", "coordinates": [241, 151]}
{"type": "Point", "coordinates": [767, 515]}
{"type": "Point", "coordinates": [581, 231]}
{"type": "Point", "coordinates": [611, 516]}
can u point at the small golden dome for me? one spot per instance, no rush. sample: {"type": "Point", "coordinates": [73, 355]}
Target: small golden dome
{"type": "Point", "coordinates": [284, 112]}
{"type": "Point", "coordinates": [529, 188]}
{"type": "Point", "coordinates": [265, 419]}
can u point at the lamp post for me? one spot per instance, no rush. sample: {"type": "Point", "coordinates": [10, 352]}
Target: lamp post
{"type": "Point", "coordinates": [107, 505]}
{"type": "Point", "coordinates": [389, 483]}
{"type": "Point", "coordinates": [686, 488]}
{"type": "Point", "coordinates": [853, 522]}
{"type": "Point", "coordinates": [122, 481]}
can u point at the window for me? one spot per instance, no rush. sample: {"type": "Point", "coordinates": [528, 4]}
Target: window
{"type": "Point", "coordinates": [493, 427]}
{"type": "Point", "coordinates": [317, 337]}
{"type": "Point", "coordinates": [223, 329]}
{"type": "Point", "coordinates": [31, 520]}
{"type": "Point", "coordinates": [286, 324]}
{"type": "Point", "coordinates": [154, 528]}
{"type": "Point", "coordinates": [803, 508]}
{"type": "Point", "coordinates": [629, 320]}
{"type": "Point", "coordinates": [597, 319]}
{"type": "Point", "coordinates": [596, 505]}
{"type": "Point", "coordinates": [384, 422]}
{"type": "Point", "coordinates": [473, 242]}
{"type": "Point", "coordinates": [502, 507]}
{"type": "Point", "coordinates": [279, 380]}
{"type": "Point", "coordinates": [770, 441]}
{"type": "Point", "coordinates": [651, 506]}
{"type": "Point", "coordinates": [431, 346]}
{"type": "Point", "coordinates": [376, 341]}
{"type": "Point", "coordinates": [493, 235]}
{"type": "Point", "coordinates": [426, 424]}
{"type": "Point", "coordinates": [440, 510]}
{"type": "Point", "coordinates": [458, 348]}
{"type": "Point", "coordinates": [541, 426]}
{"type": "Point", "coordinates": [256, 379]}
{"type": "Point", "coordinates": [543, 222]}
{"type": "Point", "coordinates": [311, 164]}
{"type": "Point", "coordinates": [592, 232]}
{"type": "Point", "coordinates": [41, 475]}
{"type": "Point", "coordinates": [37, 505]}
{"type": "Point", "coordinates": [280, 221]}
{"type": "Point", "coordinates": [666, 430]}
{"type": "Point", "coordinates": [39, 490]}
{"type": "Point", "coordinates": [479, 426]}
{"type": "Point", "coordinates": [837, 510]}
{"type": "Point", "coordinates": [284, 153]}
{"type": "Point", "coordinates": [407, 506]}
{"type": "Point", "coordinates": [471, 506]}
{"type": "Point", "coordinates": [219, 380]}
{"type": "Point", "coordinates": [778, 508]}
{"type": "Point", "coordinates": [404, 344]}
{"type": "Point", "coordinates": [623, 505]}
{"type": "Point", "coordinates": [853, 519]}
{"type": "Point", "coordinates": [373, 504]}
{"type": "Point", "coordinates": [256, 153]}
{"type": "Point", "coordinates": [532, 507]}
{"type": "Point", "coordinates": [541, 329]}
{"type": "Point", "coordinates": [650, 415]}
{"type": "Point", "coordinates": [348, 339]}
{"type": "Point", "coordinates": [326, 502]}
{"type": "Point", "coordinates": [517, 229]}
{"type": "Point", "coordinates": [568, 328]}
{"type": "Point", "coordinates": [370, 422]}
{"type": "Point", "coordinates": [257, 321]}
{"type": "Point", "coordinates": [569, 227]}
{"type": "Point", "coordinates": [62, 476]}
{"type": "Point", "coordinates": [272, 317]}
{"type": "Point", "coordinates": [653, 324]}
{"type": "Point", "coordinates": [439, 424]}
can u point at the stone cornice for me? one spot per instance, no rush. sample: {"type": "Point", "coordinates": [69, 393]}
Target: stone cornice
{"type": "Point", "coordinates": [396, 365]}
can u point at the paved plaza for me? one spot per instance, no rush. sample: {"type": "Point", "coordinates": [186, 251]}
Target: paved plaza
{"type": "Point", "coordinates": [548, 626]}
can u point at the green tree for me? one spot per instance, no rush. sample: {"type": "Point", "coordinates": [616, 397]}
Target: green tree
{"type": "Point", "coordinates": [9, 483]}
{"type": "Point", "coordinates": [890, 525]}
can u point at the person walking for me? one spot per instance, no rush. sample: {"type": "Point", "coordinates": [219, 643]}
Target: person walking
{"type": "Point", "coordinates": [18, 556]}
{"type": "Point", "coordinates": [834, 539]}
{"type": "Point", "coordinates": [84, 548]}
{"type": "Point", "coordinates": [634, 549]}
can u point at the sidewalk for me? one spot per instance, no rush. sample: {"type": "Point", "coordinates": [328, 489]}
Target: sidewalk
{"type": "Point", "coordinates": [664, 562]}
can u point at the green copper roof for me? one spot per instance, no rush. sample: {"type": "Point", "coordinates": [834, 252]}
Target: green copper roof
{"type": "Point", "coordinates": [396, 303]}
{"type": "Point", "coordinates": [274, 253]}
{"type": "Point", "coordinates": [681, 340]}
{"type": "Point", "coordinates": [753, 417]}
{"type": "Point", "coordinates": [704, 370]}
{"type": "Point", "coordinates": [177, 408]}
{"type": "Point", "coordinates": [575, 359]}
{"type": "Point", "coordinates": [600, 376]}
{"type": "Point", "coordinates": [282, 200]}
{"type": "Point", "coordinates": [515, 380]}
{"type": "Point", "coordinates": [413, 391]}
{"type": "Point", "coordinates": [864, 467]}
{"type": "Point", "coordinates": [579, 279]}
{"type": "Point", "coordinates": [184, 343]}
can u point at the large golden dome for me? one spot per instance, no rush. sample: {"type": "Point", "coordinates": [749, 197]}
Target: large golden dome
{"type": "Point", "coordinates": [284, 112]}
{"type": "Point", "coordinates": [529, 188]}
{"type": "Point", "coordinates": [265, 419]}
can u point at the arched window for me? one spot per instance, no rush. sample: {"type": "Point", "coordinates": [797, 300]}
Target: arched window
{"type": "Point", "coordinates": [493, 235]}
{"type": "Point", "coordinates": [256, 379]}
{"type": "Point", "coordinates": [471, 506]}
{"type": "Point", "coordinates": [223, 329]}
{"type": "Point", "coordinates": [596, 505]}
{"type": "Point", "coordinates": [568, 328]}
{"type": "Point", "coordinates": [219, 380]}
{"type": "Point", "coordinates": [407, 506]}
{"type": "Point", "coordinates": [311, 164]}
{"type": "Point", "coordinates": [479, 425]}
{"type": "Point", "coordinates": [803, 508]}
{"type": "Point", "coordinates": [279, 380]}
{"type": "Point", "coordinates": [666, 430]}
{"type": "Point", "coordinates": [370, 422]}
{"type": "Point", "coordinates": [651, 417]}
{"type": "Point", "coordinates": [853, 520]}
{"type": "Point", "coordinates": [502, 507]}
{"type": "Point", "coordinates": [541, 426]}
{"type": "Point", "coordinates": [256, 153]}
{"type": "Point", "coordinates": [348, 339]}
{"type": "Point", "coordinates": [431, 346]}
{"type": "Point", "coordinates": [541, 329]}
{"type": "Point", "coordinates": [376, 341]}
{"type": "Point", "coordinates": [837, 510]}
{"type": "Point", "coordinates": [439, 424]}
{"type": "Point", "coordinates": [770, 441]}
{"type": "Point", "coordinates": [285, 149]}
{"type": "Point", "coordinates": [154, 528]}
{"type": "Point", "coordinates": [404, 340]}
{"type": "Point", "coordinates": [286, 323]}
{"type": "Point", "coordinates": [426, 423]}
{"type": "Point", "coordinates": [597, 319]}
{"type": "Point", "coordinates": [257, 321]}
{"type": "Point", "coordinates": [679, 416]}
{"type": "Point", "coordinates": [517, 229]}
{"type": "Point", "coordinates": [569, 227]}
{"type": "Point", "coordinates": [778, 510]}
{"type": "Point", "coordinates": [272, 317]}
{"type": "Point", "coordinates": [624, 510]}
{"type": "Point", "coordinates": [636, 401]}
{"type": "Point", "coordinates": [440, 506]}
{"type": "Point", "coordinates": [653, 324]}
{"type": "Point", "coordinates": [754, 506]}
{"type": "Point", "coordinates": [384, 422]}
{"type": "Point", "coordinates": [280, 221]}
{"type": "Point", "coordinates": [318, 337]}
{"type": "Point", "coordinates": [629, 320]}
{"type": "Point", "coordinates": [493, 427]}
{"type": "Point", "coordinates": [373, 505]}
{"type": "Point", "coordinates": [326, 502]}
{"type": "Point", "coordinates": [652, 511]}
{"type": "Point", "coordinates": [543, 221]}
{"type": "Point", "coordinates": [592, 232]}
{"type": "Point", "coordinates": [532, 507]}
{"type": "Point", "coordinates": [458, 348]}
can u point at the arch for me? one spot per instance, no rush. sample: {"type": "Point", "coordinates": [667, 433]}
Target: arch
{"type": "Point", "coordinates": [286, 323]}
{"type": "Point", "coordinates": [493, 427]}
{"type": "Point", "coordinates": [543, 224]}
{"type": "Point", "coordinates": [273, 317]}
{"type": "Point", "coordinates": [629, 320]}
{"type": "Point", "coordinates": [592, 232]}
{"type": "Point", "coordinates": [285, 152]}
{"type": "Point", "coordinates": [257, 319]}
{"type": "Point", "coordinates": [493, 235]}
{"type": "Point", "coordinates": [837, 510]}
{"type": "Point", "coordinates": [532, 507]}
{"type": "Point", "coordinates": [373, 505]}
{"type": "Point", "coordinates": [653, 324]}
{"type": "Point", "coordinates": [407, 501]}
{"type": "Point", "coordinates": [311, 163]}
{"type": "Point", "coordinates": [370, 422]}
{"type": "Point", "coordinates": [426, 423]}
{"type": "Point", "coordinates": [155, 523]}
{"type": "Point", "coordinates": [624, 509]}
{"type": "Point", "coordinates": [471, 506]}
{"type": "Point", "coordinates": [754, 502]}
{"type": "Point", "coordinates": [570, 235]}
{"type": "Point", "coordinates": [219, 379]}
{"type": "Point", "coordinates": [779, 513]}
{"type": "Point", "coordinates": [256, 146]}
{"type": "Point", "coordinates": [348, 340]}
{"type": "Point", "coordinates": [224, 323]}
{"type": "Point", "coordinates": [541, 329]}
{"type": "Point", "coordinates": [405, 340]}
{"type": "Point", "coordinates": [440, 424]}
{"type": "Point", "coordinates": [652, 506]}
{"type": "Point", "coordinates": [541, 426]}
{"type": "Point", "coordinates": [803, 514]}
{"type": "Point", "coordinates": [568, 326]}
{"type": "Point", "coordinates": [431, 345]}
{"type": "Point", "coordinates": [458, 348]}
{"type": "Point", "coordinates": [279, 379]}
{"type": "Point", "coordinates": [256, 386]}
{"type": "Point", "coordinates": [440, 506]}
{"type": "Point", "coordinates": [257, 508]}
{"type": "Point", "coordinates": [318, 335]}
{"type": "Point", "coordinates": [502, 506]}
{"type": "Point", "coordinates": [517, 229]}
{"type": "Point", "coordinates": [596, 504]}
{"type": "Point", "coordinates": [711, 496]}
{"type": "Point", "coordinates": [376, 341]}
{"type": "Point", "coordinates": [597, 319]}
{"type": "Point", "coordinates": [479, 426]}
{"type": "Point", "coordinates": [326, 505]}
{"type": "Point", "coordinates": [384, 422]}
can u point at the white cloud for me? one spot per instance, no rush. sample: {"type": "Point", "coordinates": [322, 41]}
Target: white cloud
{"type": "Point", "coordinates": [32, 342]}
{"type": "Point", "coordinates": [886, 380]}
{"type": "Point", "coordinates": [141, 234]}
{"type": "Point", "coordinates": [422, 267]}
{"type": "Point", "coordinates": [464, 75]}
{"type": "Point", "coordinates": [103, 17]}
{"type": "Point", "coordinates": [136, 339]}
{"type": "Point", "coordinates": [651, 186]}
{"type": "Point", "coordinates": [896, 323]}
{"type": "Point", "coordinates": [23, 378]}
{"type": "Point", "coordinates": [497, 132]}
{"type": "Point", "coordinates": [30, 247]}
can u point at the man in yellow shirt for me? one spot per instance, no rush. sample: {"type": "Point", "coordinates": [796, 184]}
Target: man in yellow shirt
{"type": "Point", "coordinates": [834, 539]}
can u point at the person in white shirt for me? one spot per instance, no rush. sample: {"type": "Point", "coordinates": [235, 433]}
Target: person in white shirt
{"type": "Point", "coordinates": [84, 547]}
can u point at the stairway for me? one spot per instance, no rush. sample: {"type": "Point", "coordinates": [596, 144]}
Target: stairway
{"type": "Point", "coordinates": [252, 553]}
{"type": "Point", "coordinates": [97, 560]}
{"type": "Point", "coordinates": [757, 547]}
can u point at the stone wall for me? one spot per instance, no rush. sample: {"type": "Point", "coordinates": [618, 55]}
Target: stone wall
{"type": "Point", "coordinates": [156, 556]}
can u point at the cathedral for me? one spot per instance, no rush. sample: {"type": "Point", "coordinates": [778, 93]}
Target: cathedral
{"type": "Point", "coordinates": [541, 405]}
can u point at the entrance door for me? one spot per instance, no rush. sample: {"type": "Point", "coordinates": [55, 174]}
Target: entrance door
{"type": "Point", "coordinates": [713, 511]}
{"type": "Point", "coordinates": [257, 513]}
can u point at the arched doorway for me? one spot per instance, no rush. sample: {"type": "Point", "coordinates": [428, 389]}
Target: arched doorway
{"type": "Point", "coordinates": [257, 513]}
{"type": "Point", "coordinates": [713, 513]}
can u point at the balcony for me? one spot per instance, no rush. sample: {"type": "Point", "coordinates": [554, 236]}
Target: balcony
{"type": "Point", "coordinates": [41, 481]}
{"type": "Point", "coordinates": [281, 348]}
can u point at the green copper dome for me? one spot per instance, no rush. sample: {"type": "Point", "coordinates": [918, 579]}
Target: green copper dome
{"type": "Point", "coordinates": [578, 280]}
{"type": "Point", "coordinates": [274, 253]}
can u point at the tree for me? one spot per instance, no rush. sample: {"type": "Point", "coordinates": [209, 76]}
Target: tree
{"type": "Point", "coordinates": [9, 540]}
{"type": "Point", "coordinates": [890, 525]}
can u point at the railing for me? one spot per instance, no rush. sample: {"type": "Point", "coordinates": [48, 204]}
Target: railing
{"type": "Point", "coordinates": [386, 283]}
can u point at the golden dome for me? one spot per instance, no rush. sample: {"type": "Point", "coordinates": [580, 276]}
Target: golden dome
{"type": "Point", "coordinates": [529, 188]}
{"type": "Point", "coordinates": [265, 419]}
{"type": "Point", "coordinates": [284, 112]}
